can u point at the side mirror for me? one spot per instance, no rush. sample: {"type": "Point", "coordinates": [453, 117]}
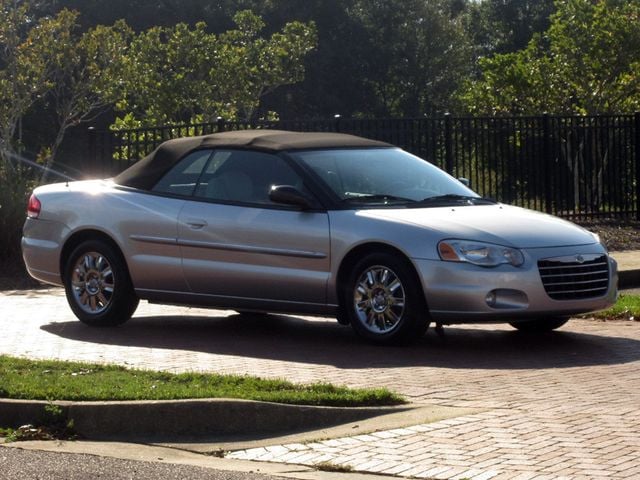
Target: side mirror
{"type": "Point", "coordinates": [289, 195]}
{"type": "Point", "coordinates": [465, 181]}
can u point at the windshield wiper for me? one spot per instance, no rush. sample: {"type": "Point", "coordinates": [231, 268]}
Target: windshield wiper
{"type": "Point", "coordinates": [377, 198]}
{"type": "Point", "coordinates": [455, 198]}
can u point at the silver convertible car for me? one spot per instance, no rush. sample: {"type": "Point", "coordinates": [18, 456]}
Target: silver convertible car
{"type": "Point", "coordinates": [309, 223]}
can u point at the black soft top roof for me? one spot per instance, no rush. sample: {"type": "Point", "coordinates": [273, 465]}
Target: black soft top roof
{"type": "Point", "coordinates": [145, 173]}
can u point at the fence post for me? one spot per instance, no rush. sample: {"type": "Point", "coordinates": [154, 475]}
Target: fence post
{"type": "Point", "coordinates": [448, 144]}
{"type": "Point", "coordinates": [546, 149]}
{"type": "Point", "coordinates": [636, 126]}
{"type": "Point", "coordinates": [221, 125]}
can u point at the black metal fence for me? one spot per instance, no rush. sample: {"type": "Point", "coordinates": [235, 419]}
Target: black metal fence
{"type": "Point", "coordinates": [579, 167]}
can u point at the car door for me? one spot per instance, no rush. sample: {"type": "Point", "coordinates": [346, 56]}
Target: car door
{"type": "Point", "coordinates": [239, 245]}
{"type": "Point", "coordinates": [151, 226]}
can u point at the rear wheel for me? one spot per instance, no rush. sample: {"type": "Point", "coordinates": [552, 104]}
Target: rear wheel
{"type": "Point", "coordinates": [97, 285]}
{"type": "Point", "coordinates": [384, 300]}
{"type": "Point", "coordinates": [540, 325]}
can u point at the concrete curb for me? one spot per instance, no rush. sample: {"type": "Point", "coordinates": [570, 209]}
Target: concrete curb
{"type": "Point", "coordinates": [169, 419]}
{"type": "Point", "coordinates": [628, 279]}
{"type": "Point", "coordinates": [628, 268]}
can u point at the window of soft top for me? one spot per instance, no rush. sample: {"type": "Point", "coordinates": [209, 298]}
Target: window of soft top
{"type": "Point", "coordinates": [230, 176]}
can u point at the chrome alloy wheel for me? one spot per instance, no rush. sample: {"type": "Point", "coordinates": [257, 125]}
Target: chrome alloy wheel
{"type": "Point", "coordinates": [379, 299]}
{"type": "Point", "coordinates": [92, 282]}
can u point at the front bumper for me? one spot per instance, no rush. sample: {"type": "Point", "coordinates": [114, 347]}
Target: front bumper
{"type": "Point", "coordinates": [466, 293]}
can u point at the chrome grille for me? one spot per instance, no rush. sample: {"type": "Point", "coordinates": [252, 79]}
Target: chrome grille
{"type": "Point", "coordinates": [576, 277]}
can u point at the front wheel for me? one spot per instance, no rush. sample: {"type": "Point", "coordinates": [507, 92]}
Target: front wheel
{"type": "Point", "coordinates": [97, 285]}
{"type": "Point", "coordinates": [384, 300]}
{"type": "Point", "coordinates": [540, 325]}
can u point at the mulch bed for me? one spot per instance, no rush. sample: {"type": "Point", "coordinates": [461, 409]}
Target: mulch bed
{"type": "Point", "coordinates": [615, 234]}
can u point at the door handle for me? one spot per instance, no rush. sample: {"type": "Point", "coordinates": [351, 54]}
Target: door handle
{"type": "Point", "coordinates": [196, 223]}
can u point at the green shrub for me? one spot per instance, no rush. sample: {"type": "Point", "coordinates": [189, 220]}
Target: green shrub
{"type": "Point", "coordinates": [16, 184]}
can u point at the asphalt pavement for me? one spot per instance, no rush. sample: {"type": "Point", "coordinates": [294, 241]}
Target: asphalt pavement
{"type": "Point", "coordinates": [82, 460]}
{"type": "Point", "coordinates": [21, 464]}
{"type": "Point", "coordinates": [41, 465]}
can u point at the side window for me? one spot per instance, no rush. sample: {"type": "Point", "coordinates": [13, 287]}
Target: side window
{"type": "Point", "coordinates": [245, 176]}
{"type": "Point", "coordinates": [183, 177]}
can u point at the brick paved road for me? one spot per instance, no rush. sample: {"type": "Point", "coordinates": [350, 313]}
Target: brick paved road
{"type": "Point", "coordinates": [563, 405]}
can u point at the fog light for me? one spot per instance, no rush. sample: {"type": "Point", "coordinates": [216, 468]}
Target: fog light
{"type": "Point", "coordinates": [507, 299]}
{"type": "Point", "coordinates": [491, 299]}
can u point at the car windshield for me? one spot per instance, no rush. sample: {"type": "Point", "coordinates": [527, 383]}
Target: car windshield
{"type": "Point", "coordinates": [385, 176]}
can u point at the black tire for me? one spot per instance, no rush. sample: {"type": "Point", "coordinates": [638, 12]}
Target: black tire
{"type": "Point", "coordinates": [98, 286]}
{"type": "Point", "coordinates": [384, 301]}
{"type": "Point", "coordinates": [540, 325]}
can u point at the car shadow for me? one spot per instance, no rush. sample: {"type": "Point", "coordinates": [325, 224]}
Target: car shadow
{"type": "Point", "coordinates": [288, 338]}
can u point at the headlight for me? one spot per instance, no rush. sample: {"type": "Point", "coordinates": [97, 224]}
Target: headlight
{"type": "Point", "coordinates": [479, 253]}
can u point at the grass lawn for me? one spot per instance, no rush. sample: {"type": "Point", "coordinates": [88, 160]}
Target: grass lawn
{"type": "Point", "coordinates": [626, 308]}
{"type": "Point", "coordinates": [53, 380]}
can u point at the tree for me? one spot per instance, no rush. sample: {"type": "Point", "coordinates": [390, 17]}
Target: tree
{"type": "Point", "coordinates": [23, 80]}
{"type": "Point", "coordinates": [414, 55]}
{"type": "Point", "coordinates": [376, 58]}
{"type": "Point", "coordinates": [382, 57]}
{"type": "Point", "coordinates": [504, 26]}
{"type": "Point", "coordinates": [24, 72]}
{"type": "Point", "coordinates": [254, 67]}
{"type": "Point", "coordinates": [183, 73]}
{"type": "Point", "coordinates": [46, 62]}
{"type": "Point", "coordinates": [49, 63]}
{"type": "Point", "coordinates": [141, 15]}
{"type": "Point", "coordinates": [85, 74]}
{"type": "Point", "coordinates": [587, 62]}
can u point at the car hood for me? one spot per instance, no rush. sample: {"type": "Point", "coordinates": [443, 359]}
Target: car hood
{"type": "Point", "coordinates": [502, 224]}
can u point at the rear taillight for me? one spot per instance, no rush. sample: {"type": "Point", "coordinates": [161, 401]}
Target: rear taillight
{"type": "Point", "coordinates": [33, 207]}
